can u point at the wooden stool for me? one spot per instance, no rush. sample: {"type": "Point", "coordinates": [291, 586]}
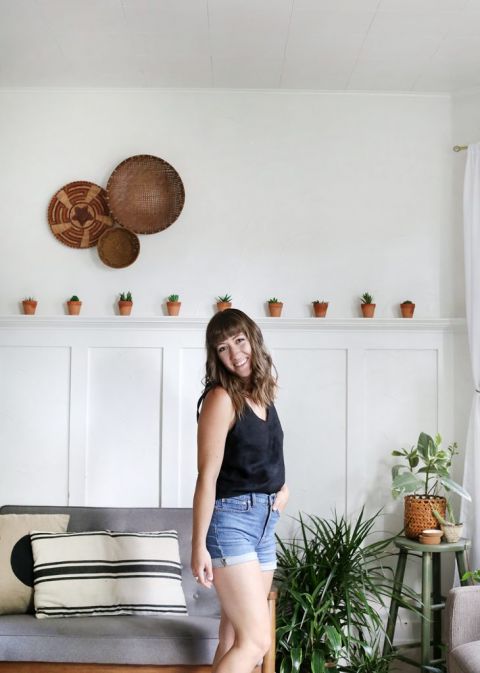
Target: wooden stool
{"type": "Point", "coordinates": [432, 600]}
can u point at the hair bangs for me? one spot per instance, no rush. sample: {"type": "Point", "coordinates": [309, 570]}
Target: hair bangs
{"type": "Point", "coordinates": [224, 325]}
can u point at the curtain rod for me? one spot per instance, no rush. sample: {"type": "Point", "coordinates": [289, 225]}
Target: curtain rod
{"type": "Point", "coordinates": [459, 148]}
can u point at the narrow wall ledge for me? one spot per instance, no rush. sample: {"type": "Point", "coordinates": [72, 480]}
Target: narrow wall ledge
{"type": "Point", "coordinates": [28, 322]}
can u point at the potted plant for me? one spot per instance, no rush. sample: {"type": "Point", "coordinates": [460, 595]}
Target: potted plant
{"type": "Point", "coordinates": [407, 308]}
{"type": "Point", "coordinates": [333, 587]}
{"type": "Point", "coordinates": [223, 302]}
{"type": "Point", "coordinates": [125, 303]}
{"type": "Point", "coordinates": [320, 308]}
{"type": "Point", "coordinates": [367, 305]}
{"type": "Point", "coordinates": [421, 478]}
{"type": "Point", "coordinates": [275, 307]}
{"type": "Point", "coordinates": [173, 305]}
{"type": "Point", "coordinates": [74, 305]}
{"type": "Point", "coordinates": [29, 305]}
{"type": "Point", "coordinates": [452, 529]}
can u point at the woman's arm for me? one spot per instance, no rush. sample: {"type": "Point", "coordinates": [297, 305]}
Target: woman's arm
{"type": "Point", "coordinates": [216, 418]}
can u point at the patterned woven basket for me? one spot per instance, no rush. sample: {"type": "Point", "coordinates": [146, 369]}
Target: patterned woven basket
{"type": "Point", "coordinates": [418, 514]}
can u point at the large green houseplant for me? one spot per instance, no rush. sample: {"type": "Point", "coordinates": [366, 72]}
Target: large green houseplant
{"type": "Point", "coordinates": [332, 585]}
{"type": "Point", "coordinates": [423, 478]}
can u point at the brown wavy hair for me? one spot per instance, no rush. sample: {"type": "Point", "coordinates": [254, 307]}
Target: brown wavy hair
{"type": "Point", "coordinates": [262, 384]}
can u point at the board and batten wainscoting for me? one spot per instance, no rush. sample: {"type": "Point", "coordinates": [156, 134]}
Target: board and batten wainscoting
{"type": "Point", "coordinates": [101, 411]}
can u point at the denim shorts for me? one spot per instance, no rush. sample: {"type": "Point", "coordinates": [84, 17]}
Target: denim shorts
{"type": "Point", "coordinates": [243, 529]}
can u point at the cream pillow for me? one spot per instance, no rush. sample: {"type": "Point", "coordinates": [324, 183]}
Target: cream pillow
{"type": "Point", "coordinates": [16, 560]}
{"type": "Point", "coordinates": [104, 572]}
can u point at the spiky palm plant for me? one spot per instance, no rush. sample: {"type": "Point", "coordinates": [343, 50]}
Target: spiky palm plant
{"type": "Point", "coordinates": [332, 585]}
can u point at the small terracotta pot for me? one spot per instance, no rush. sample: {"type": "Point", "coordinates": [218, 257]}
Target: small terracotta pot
{"type": "Point", "coordinates": [29, 307]}
{"type": "Point", "coordinates": [407, 310]}
{"type": "Point", "coordinates": [74, 307]}
{"type": "Point", "coordinates": [173, 307]}
{"type": "Point", "coordinates": [320, 309]}
{"type": "Point", "coordinates": [223, 305]}
{"type": "Point", "coordinates": [275, 309]}
{"type": "Point", "coordinates": [125, 307]}
{"type": "Point", "coordinates": [368, 310]}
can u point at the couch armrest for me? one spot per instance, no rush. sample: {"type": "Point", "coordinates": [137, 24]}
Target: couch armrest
{"type": "Point", "coordinates": [463, 614]}
{"type": "Point", "coordinates": [268, 665]}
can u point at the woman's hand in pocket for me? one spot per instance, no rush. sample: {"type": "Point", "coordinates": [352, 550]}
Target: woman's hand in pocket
{"type": "Point", "coordinates": [281, 499]}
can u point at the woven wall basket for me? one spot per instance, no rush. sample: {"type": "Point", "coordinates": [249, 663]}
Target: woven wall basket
{"type": "Point", "coordinates": [145, 194]}
{"type": "Point", "coordinates": [118, 248]}
{"type": "Point", "coordinates": [78, 214]}
{"type": "Point", "coordinates": [418, 515]}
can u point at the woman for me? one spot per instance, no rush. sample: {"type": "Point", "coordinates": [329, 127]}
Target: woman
{"type": "Point", "coordinates": [240, 488]}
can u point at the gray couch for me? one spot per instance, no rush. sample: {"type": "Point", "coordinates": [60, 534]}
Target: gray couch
{"type": "Point", "coordinates": [463, 610]}
{"type": "Point", "coordinates": [159, 641]}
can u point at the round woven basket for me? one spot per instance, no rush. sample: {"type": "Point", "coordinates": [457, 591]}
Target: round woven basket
{"type": "Point", "coordinates": [145, 194]}
{"type": "Point", "coordinates": [418, 514]}
{"type": "Point", "coordinates": [78, 214]}
{"type": "Point", "coordinates": [118, 248]}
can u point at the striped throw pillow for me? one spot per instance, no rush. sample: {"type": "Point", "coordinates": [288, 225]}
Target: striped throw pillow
{"type": "Point", "coordinates": [107, 573]}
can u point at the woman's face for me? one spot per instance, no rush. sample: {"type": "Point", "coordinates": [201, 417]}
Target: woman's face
{"type": "Point", "coordinates": [236, 354]}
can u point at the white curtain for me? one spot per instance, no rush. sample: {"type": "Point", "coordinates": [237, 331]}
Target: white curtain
{"type": "Point", "coordinates": [471, 227]}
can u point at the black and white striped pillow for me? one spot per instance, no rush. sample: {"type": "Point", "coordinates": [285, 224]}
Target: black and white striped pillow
{"type": "Point", "coordinates": [107, 573]}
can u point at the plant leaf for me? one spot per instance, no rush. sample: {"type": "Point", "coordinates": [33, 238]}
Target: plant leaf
{"type": "Point", "coordinates": [451, 485]}
{"type": "Point", "coordinates": [296, 656]}
{"type": "Point", "coordinates": [406, 483]}
{"type": "Point", "coordinates": [317, 663]}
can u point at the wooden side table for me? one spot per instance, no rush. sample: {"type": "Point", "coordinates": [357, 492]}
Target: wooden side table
{"type": "Point", "coordinates": [432, 601]}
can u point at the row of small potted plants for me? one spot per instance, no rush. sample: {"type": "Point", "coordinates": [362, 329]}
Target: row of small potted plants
{"type": "Point", "coordinates": [275, 306]}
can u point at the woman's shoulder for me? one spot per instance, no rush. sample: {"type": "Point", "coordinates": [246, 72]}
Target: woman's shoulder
{"type": "Point", "coordinates": [219, 398]}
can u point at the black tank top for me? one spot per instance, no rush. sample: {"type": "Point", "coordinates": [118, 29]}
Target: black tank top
{"type": "Point", "coordinates": [253, 458]}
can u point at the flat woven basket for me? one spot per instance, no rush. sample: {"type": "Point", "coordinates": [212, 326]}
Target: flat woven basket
{"type": "Point", "coordinates": [118, 248]}
{"type": "Point", "coordinates": [78, 214]}
{"type": "Point", "coordinates": [145, 194]}
{"type": "Point", "coordinates": [418, 514]}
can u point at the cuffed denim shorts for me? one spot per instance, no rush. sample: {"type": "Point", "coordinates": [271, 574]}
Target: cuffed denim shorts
{"type": "Point", "coordinates": [243, 529]}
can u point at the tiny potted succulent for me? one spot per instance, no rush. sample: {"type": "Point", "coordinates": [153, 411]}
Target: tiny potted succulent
{"type": "Point", "coordinates": [407, 308]}
{"type": "Point", "coordinates": [319, 308]}
{"type": "Point", "coordinates": [125, 303]}
{"type": "Point", "coordinates": [173, 305]}
{"type": "Point", "coordinates": [367, 306]}
{"type": "Point", "coordinates": [224, 301]}
{"type": "Point", "coordinates": [29, 305]}
{"type": "Point", "coordinates": [275, 307]}
{"type": "Point", "coordinates": [74, 305]}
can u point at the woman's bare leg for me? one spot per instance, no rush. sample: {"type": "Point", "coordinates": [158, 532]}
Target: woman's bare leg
{"type": "Point", "coordinates": [226, 632]}
{"type": "Point", "coordinates": [242, 592]}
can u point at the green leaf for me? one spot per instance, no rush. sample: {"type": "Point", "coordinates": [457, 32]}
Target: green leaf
{"type": "Point", "coordinates": [426, 446]}
{"type": "Point", "coordinates": [406, 483]}
{"type": "Point", "coordinates": [296, 656]}
{"type": "Point", "coordinates": [317, 663]}
{"type": "Point", "coordinates": [413, 461]}
{"type": "Point", "coordinates": [286, 665]}
{"type": "Point", "coordinates": [451, 485]}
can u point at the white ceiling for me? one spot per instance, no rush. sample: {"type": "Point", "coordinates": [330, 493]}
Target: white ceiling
{"type": "Point", "coordinates": [344, 45]}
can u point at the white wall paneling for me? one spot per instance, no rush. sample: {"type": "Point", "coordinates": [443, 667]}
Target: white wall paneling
{"type": "Point", "coordinates": [110, 407]}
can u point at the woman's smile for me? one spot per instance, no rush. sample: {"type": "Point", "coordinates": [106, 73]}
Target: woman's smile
{"type": "Point", "coordinates": [235, 354]}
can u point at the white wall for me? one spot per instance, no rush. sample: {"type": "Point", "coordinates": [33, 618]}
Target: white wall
{"type": "Point", "coordinates": [298, 195]}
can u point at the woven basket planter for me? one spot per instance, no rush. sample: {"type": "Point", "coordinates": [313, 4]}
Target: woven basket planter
{"type": "Point", "coordinates": [418, 514]}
